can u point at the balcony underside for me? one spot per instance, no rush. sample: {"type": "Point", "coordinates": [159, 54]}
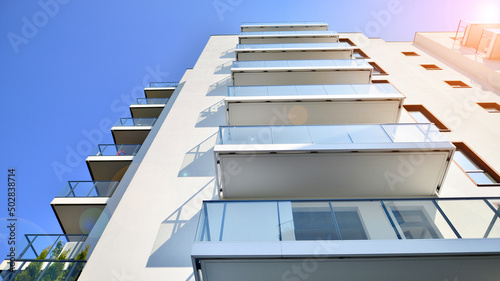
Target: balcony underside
{"type": "Point", "coordinates": [130, 134]}
{"type": "Point", "coordinates": [343, 173]}
{"type": "Point", "coordinates": [307, 110]}
{"type": "Point", "coordinates": [108, 168]}
{"type": "Point", "coordinates": [146, 110]}
{"type": "Point", "coordinates": [159, 92]}
{"type": "Point", "coordinates": [302, 77]}
{"type": "Point", "coordinates": [291, 39]}
{"type": "Point", "coordinates": [294, 55]}
{"type": "Point", "coordinates": [78, 215]}
{"type": "Point", "coordinates": [474, 259]}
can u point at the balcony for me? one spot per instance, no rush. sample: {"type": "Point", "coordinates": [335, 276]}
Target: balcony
{"type": "Point", "coordinates": [313, 104]}
{"type": "Point", "coordinates": [160, 89]}
{"type": "Point", "coordinates": [297, 51]}
{"type": "Point", "coordinates": [132, 130]}
{"type": "Point", "coordinates": [280, 37]}
{"type": "Point", "coordinates": [284, 26]}
{"type": "Point", "coordinates": [50, 257]}
{"type": "Point", "coordinates": [301, 72]}
{"type": "Point", "coordinates": [389, 239]}
{"type": "Point", "coordinates": [331, 161]}
{"type": "Point", "coordinates": [148, 108]}
{"type": "Point", "coordinates": [109, 162]}
{"type": "Point", "coordinates": [79, 204]}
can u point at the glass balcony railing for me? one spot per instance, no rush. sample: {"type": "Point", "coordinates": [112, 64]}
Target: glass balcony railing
{"type": "Point", "coordinates": [298, 46]}
{"type": "Point", "coordinates": [135, 122]}
{"type": "Point", "coordinates": [163, 84]}
{"type": "Point", "coordinates": [88, 189]}
{"type": "Point", "coordinates": [324, 33]}
{"type": "Point", "coordinates": [373, 90]}
{"type": "Point", "coordinates": [330, 134]}
{"type": "Point", "coordinates": [358, 219]}
{"type": "Point", "coordinates": [116, 150]}
{"type": "Point", "coordinates": [50, 257]}
{"type": "Point", "coordinates": [283, 23]}
{"type": "Point", "coordinates": [151, 101]}
{"type": "Point", "coordinates": [347, 63]}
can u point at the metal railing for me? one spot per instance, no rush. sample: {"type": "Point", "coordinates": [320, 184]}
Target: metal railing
{"type": "Point", "coordinates": [163, 84]}
{"type": "Point", "coordinates": [116, 150]}
{"type": "Point", "coordinates": [151, 101]}
{"type": "Point", "coordinates": [88, 189]}
{"type": "Point", "coordinates": [349, 219]}
{"type": "Point", "coordinates": [135, 122]}
{"type": "Point", "coordinates": [50, 257]}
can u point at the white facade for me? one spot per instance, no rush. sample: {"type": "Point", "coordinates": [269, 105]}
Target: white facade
{"type": "Point", "coordinates": [147, 229]}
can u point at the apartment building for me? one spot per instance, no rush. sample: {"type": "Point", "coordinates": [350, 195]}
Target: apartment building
{"type": "Point", "coordinates": [293, 152]}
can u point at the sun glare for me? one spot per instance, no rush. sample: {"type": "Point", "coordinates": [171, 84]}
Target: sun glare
{"type": "Point", "coordinates": [489, 11]}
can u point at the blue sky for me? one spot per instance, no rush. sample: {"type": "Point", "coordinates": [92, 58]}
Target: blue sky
{"type": "Point", "coordinates": [69, 69]}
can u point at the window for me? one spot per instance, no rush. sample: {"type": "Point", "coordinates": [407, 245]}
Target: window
{"type": "Point", "coordinates": [491, 107]}
{"type": "Point", "coordinates": [377, 70]}
{"type": "Point", "coordinates": [380, 81]}
{"type": "Point", "coordinates": [347, 40]}
{"type": "Point", "coordinates": [358, 54]}
{"type": "Point", "coordinates": [457, 84]}
{"type": "Point", "coordinates": [415, 224]}
{"type": "Point", "coordinates": [431, 67]}
{"type": "Point", "coordinates": [420, 114]}
{"type": "Point", "coordinates": [410, 54]}
{"type": "Point", "coordinates": [321, 222]}
{"type": "Point", "coordinates": [475, 167]}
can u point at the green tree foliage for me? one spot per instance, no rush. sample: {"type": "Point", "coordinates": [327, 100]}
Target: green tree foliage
{"type": "Point", "coordinates": [79, 266]}
{"type": "Point", "coordinates": [32, 272]}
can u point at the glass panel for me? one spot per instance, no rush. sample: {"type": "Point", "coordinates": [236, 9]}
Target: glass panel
{"type": "Point", "coordinates": [339, 89]}
{"type": "Point", "coordinates": [371, 220]}
{"type": "Point", "coordinates": [419, 117]}
{"type": "Point", "coordinates": [464, 162]}
{"type": "Point", "coordinates": [387, 88]}
{"type": "Point", "coordinates": [412, 133]}
{"type": "Point", "coordinates": [367, 134]}
{"type": "Point", "coordinates": [367, 89]}
{"type": "Point", "coordinates": [213, 222]}
{"type": "Point", "coordinates": [282, 90]}
{"type": "Point", "coordinates": [329, 134]}
{"type": "Point", "coordinates": [471, 218]}
{"type": "Point", "coordinates": [419, 220]}
{"type": "Point", "coordinates": [252, 221]}
{"type": "Point", "coordinates": [310, 90]}
{"type": "Point", "coordinates": [313, 221]}
{"type": "Point", "coordinates": [290, 134]}
{"type": "Point", "coordinates": [481, 177]}
{"type": "Point", "coordinates": [286, 221]}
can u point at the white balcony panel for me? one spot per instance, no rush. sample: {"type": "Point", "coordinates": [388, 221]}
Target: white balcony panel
{"type": "Point", "coordinates": [301, 72]}
{"type": "Point", "coordinates": [146, 110]}
{"type": "Point", "coordinates": [277, 37]}
{"type": "Point", "coordinates": [305, 112]}
{"type": "Point", "coordinates": [77, 215]}
{"type": "Point", "coordinates": [108, 168]}
{"type": "Point", "coordinates": [283, 26]}
{"type": "Point", "coordinates": [313, 104]}
{"type": "Point", "coordinates": [335, 161]}
{"type": "Point", "coordinates": [310, 51]}
{"type": "Point", "coordinates": [130, 134]}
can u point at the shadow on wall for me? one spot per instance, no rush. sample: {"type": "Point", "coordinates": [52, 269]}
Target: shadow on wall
{"type": "Point", "coordinates": [220, 88]}
{"type": "Point", "coordinates": [199, 161]}
{"type": "Point", "coordinates": [228, 54]}
{"type": "Point", "coordinates": [172, 247]}
{"type": "Point", "coordinates": [224, 68]}
{"type": "Point", "coordinates": [212, 116]}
